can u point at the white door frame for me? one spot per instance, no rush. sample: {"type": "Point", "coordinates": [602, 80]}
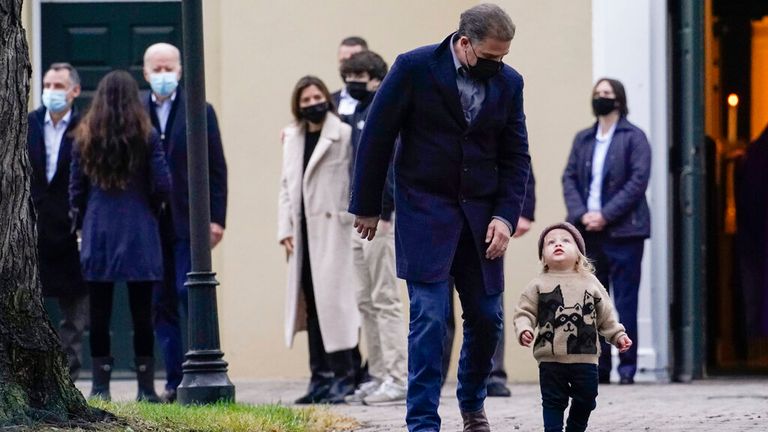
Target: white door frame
{"type": "Point", "coordinates": [629, 42]}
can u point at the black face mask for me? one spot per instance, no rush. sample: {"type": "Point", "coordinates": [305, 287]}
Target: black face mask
{"type": "Point", "coordinates": [315, 113]}
{"type": "Point", "coordinates": [602, 106]}
{"type": "Point", "coordinates": [358, 90]}
{"type": "Point", "coordinates": [483, 69]}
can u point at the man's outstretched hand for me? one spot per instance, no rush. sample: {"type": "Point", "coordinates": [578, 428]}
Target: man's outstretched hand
{"type": "Point", "coordinates": [366, 226]}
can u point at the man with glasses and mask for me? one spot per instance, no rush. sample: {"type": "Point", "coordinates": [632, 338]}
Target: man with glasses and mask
{"type": "Point", "coordinates": [50, 146]}
{"type": "Point", "coordinates": [461, 169]}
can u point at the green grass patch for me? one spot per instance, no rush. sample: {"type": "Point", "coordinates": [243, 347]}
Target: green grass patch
{"type": "Point", "coordinates": [146, 417]}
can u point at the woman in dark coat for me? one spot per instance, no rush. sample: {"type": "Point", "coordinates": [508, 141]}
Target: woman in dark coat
{"type": "Point", "coordinates": [604, 186]}
{"type": "Point", "coordinates": [119, 181]}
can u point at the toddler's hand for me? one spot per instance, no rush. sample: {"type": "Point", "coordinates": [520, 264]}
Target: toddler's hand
{"type": "Point", "coordinates": [624, 343]}
{"type": "Point", "coordinates": [526, 337]}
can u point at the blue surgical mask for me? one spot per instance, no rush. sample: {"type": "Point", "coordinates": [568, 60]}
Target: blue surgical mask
{"type": "Point", "coordinates": [163, 83]}
{"type": "Point", "coordinates": [55, 101]}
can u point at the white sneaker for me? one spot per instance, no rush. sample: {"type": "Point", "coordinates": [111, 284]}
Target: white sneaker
{"type": "Point", "coordinates": [390, 393]}
{"type": "Point", "coordinates": [362, 391]}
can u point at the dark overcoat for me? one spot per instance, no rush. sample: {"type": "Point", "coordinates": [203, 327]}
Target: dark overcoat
{"type": "Point", "coordinates": [448, 173]}
{"type": "Point", "coordinates": [626, 173]}
{"type": "Point", "coordinates": [529, 202]}
{"type": "Point", "coordinates": [752, 234]}
{"type": "Point", "coordinates": [57, 244]}
{"type": "Point", "coordinates": [120, 232]}
{"type": "Point", "coordinates": [174, 142]}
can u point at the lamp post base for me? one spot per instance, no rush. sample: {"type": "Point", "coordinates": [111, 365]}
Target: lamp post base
{"type": "Point", "coordinates": [205, 379]}
{"type": "Point", "coordinates": [199, 389]}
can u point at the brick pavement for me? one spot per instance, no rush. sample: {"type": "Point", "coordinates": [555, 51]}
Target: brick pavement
{"type": "Point", "coordinates": [708, 405]}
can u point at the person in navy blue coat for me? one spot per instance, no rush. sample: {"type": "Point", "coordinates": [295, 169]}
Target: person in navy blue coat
{"type": "Point", "coordinates": [166, 108]}
{"type": "Point", "coordinates": [49, 143]}
{"type": "Point", "coordinates": [119, 182]}
{"type": "Point", "coordinates": [460, 173]}
{"type": "Point", "coordinates": [752, 236]}
{"type": "Point", "coordinates": [604, 185]}
{"type": "Point", "coordinates": [497, 383]}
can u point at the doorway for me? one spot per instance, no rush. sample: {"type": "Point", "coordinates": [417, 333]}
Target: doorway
{"type": "Point", "coordinates": [736, 186]}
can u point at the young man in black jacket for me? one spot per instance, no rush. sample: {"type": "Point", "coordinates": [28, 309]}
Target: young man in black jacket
{"type": "Point", "coordinates": [378, 296]}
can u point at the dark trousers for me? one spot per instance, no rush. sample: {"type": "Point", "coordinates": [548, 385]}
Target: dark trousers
{"type": "Point", "coordinates": [322, 364]}
{"type": "Point", "coordinates": [483, 321]}
{"type": "Point", "coordinates": [498, 373]}
{"type": "Point", "coordinates": [170, 300]}
{"type": "Point", "coordinates": [561, 381]}
{"type": "Point", "coordinates": [617, 266]}
{"type": "Point", "coordinates": [74, 321]}
{"type": "Point", "coordinates": [140, 301]}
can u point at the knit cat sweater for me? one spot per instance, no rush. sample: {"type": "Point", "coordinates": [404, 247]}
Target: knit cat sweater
{"type": "Point", "coordinates": [568, 309]}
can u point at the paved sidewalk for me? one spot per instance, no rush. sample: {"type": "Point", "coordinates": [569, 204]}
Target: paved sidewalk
{"type": "Point", "coordinates": [710, 405]}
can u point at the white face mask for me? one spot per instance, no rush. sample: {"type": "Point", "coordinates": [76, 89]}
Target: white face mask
{"type": "Point", "coordinates": [55, 101]}
{"type": "Point", "coordinates": [163, 83]}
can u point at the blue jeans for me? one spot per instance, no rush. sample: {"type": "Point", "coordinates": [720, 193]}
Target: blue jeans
{"type": "Point", "coordinates": [617, 266]}
{"type": "Point", "coordinates": [170, 303]}
{"type": "Point", "coordinates": [560, 381]}
{"type": "Point", "coordinates": [483, 322]}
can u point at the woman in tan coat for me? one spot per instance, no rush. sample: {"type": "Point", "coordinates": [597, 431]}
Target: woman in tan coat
{"type": "Point", "coordinates": [316, 231]}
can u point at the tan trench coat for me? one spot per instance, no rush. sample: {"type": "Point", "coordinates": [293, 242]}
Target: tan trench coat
{"type": "Point", "coordinates": [325, 188]}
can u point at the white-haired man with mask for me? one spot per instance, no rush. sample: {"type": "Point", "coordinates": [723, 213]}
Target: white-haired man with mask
{"type": "Point", "coordinates": [165, 105]}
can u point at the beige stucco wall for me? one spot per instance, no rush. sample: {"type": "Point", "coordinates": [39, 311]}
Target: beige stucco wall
{"type": "Point", "coordinates": [255, 52]}
{"type": "Point", "coordinates": [266, 46]}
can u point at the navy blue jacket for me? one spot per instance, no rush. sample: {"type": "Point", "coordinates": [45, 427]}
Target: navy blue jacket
{"type": "Point", "coordinates": [447, 172]}
{"type": "Point", "coordinates": [175, 145]}
{"type": "Point", "coordinates": [57, 244]}
{"type": "Point", "coordinates": [120, 230]}
{"type": "Point", "coordinates": [529, 202]}
{"type": "Point", "coordinates": [625, 179]}
{"type": "Point", "coordinates": [357, 122]}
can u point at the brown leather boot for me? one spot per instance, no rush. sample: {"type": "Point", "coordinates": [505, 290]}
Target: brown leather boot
{"type": "Point", "coordinates": [476, 421]}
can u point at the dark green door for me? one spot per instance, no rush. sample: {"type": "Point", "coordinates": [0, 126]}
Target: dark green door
{"type": "Point", "coordinates": [97, 37]}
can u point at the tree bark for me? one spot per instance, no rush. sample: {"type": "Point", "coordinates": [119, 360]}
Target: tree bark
{"type": "Point", "coordinates": [34, 383]}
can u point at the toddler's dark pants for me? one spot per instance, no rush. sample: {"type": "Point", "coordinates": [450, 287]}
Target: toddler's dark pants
{"type": "Point", "coordinates": [560, 381]}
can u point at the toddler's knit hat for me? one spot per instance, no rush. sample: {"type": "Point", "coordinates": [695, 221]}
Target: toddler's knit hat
{"type": "Point", "coordinates": [568, 227]}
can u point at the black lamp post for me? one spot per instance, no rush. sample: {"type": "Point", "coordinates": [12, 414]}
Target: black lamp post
{"type": "Point", "coordinates": [205, 371]}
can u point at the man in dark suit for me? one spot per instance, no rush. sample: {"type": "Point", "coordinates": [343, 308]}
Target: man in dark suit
{"type": "Point", "coordinates": [345, 104]}
{"type": "Point", "coordinates": [50, 146]}
{"type": "Point", "coordinates": [165, 105]}
{"type": "Point", "coordinates": [497, 383]}
{"type": "Point", "coordinates": [460, 175]}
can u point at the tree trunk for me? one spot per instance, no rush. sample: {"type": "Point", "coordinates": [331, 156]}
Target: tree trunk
{"type": "Point", "coordinates": [34, 383]}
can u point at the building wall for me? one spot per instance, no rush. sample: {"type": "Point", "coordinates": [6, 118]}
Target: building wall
{"type": "Point", "coordinates": [257, 50]}
{"type": "Point", "coordinates": [266, 46]}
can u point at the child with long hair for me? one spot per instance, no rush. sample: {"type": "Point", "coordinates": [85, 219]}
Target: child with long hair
{"type": "Point", "coordinates": [569, 307]}
{"type": "Point", "coordinates": [119, 181]}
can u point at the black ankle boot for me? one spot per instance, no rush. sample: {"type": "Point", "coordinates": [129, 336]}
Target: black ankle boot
{"type": "Point", "coordinates": [101, 373]}
{"type": "Point", "coordinates": [341, 387]}
{"type": "Point", "coordinates": [145, 376]}
{"type": "Point", "coordinates": [318, 389]}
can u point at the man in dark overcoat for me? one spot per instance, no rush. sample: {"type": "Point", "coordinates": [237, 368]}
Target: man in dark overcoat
{"type": "Point", "coordinates": [460, 176]}
{"type": "Point", "coordinates": [49, 143]}
{"type": "Point", "coordinates": [166, 109]}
